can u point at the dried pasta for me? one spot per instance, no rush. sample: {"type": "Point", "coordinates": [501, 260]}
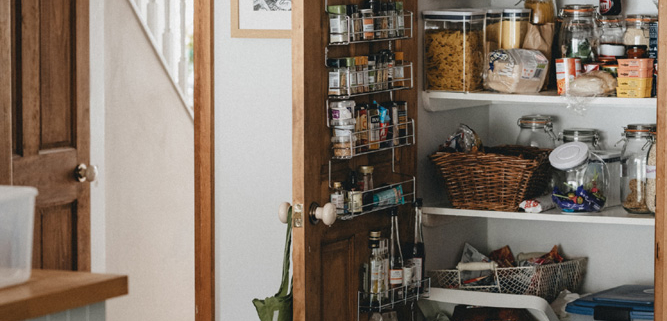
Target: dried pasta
{"type": "Point", "coordinates": [445, 66]}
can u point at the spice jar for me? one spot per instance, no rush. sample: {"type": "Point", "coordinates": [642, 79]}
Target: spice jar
{"type": "Point", "coordinates": [578, 33]}
{"type": "Point", "coordinates": [588, 136]}
{"type": "Point", "coordinates": [338, 31]}
{"type": "Point", "coordinates": [356, 33]}
{"type": "Point", "coordinates": [342, 146]}
{"type": "Point", "coordinates": [637, 140]}
{"type": "Point", "coordinates": [341, 112]}
{"type": "Point", "coordinates": [580, 180]}
{"type": "Point", "coordinates": [337, 198]}
{"type": "Point", "coordinates": [612, 30]}
{"type": "Point", "coordinates": [366, 184]}
{"type": "Point", "coordinates": [400, 19]}
{"type": "Point", "coordinates": [494, 30]}
{"type": "Point", "coordinates": [454, 50]}
{"type": "Point", "coordinates": [536, 131]}
{"type": "Point", "coordinates": [515, 26]}
{"type": "Point", "coordinates": [367, 24]}
{"type": "Point", "coordinates": [542, 11]}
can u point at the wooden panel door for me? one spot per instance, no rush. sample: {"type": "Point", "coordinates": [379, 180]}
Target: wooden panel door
{"type": "Point", "coordinates": [50, 124]}
{"type": "Point", "coordinates": [327, 260]}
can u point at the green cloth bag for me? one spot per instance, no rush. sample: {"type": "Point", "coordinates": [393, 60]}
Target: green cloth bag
{"type": "Point", "coordinates": [279, 306]}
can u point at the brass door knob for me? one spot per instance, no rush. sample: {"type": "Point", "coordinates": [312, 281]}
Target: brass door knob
{"type": "Point", "coordinates": [85, 173]}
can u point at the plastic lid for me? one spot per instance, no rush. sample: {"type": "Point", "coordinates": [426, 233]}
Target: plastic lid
{"type": "Point", "coordinates": [516, 12]}
{"type": "Point", "coordinates": [494, 12]}
{"type": "Point", "coordinates": [455, 14]}
{"type": "Point", "coordinates": [569, 155]}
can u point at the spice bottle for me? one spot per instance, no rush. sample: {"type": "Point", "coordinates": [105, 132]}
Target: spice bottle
{"type": "Point", "coordinates": [356, 33]}
{"type": "Point", "coordinates": [338, 31]}
{"type": "Point", "coordinates": [352, 75]}
{"type": "Point", "coordinates": [400, 19]}
{"type": "Point", "coordinates": [391, 61]}
{"type": "Point", "coordinates": [367, 24]}
{"type": "Point", "coordinates": [399, 71]}
{"type": "Point", "coordinates": [338, 198]}
{"type": "Point", "coordinates": [381, 21]}
{"type": "Point", "coordinates": [515, 26]}
{"type": "Point", "coordinates": [373, 127]}
{"type": "Point", "coordinates": [391, 19]}
{"type": "Point", "coordinates": [335, 76]}
{"type": "Point", "coordinates": [362, 127]}
{"type": "Point", "coordinates": [402, 107]}
{"type": "Point", "coordinates": [367, 186]}
{"type": "Point", "coordinates": [376, 269]}
{"type": "Point", "coordinates": [637, 142]}
{"type": "Point", "coordinates": [372, 72]}
{"type": "Point", "coordinates": [354, 195]}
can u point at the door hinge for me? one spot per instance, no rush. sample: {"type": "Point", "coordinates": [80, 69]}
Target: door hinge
{"type": "Point", "coordinates": [297, 215]}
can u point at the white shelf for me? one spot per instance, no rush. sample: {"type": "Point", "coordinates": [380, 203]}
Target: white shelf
{"type": "Point", "coordinates": [612, 215]}
{"type": "Point", "coordinates": [442, 100]}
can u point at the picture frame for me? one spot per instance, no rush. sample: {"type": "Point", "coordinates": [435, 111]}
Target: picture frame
{"type": "Point", "coordinates": [261, 19]}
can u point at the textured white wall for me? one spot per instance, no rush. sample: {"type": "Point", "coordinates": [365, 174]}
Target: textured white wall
{"type": "Point", "coordinates": [253, 142]}
{"type": "Point", "coordinates": [149, 178]}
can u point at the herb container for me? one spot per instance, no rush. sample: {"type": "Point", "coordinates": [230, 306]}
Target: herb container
{"type": "Point", "coordinates": [579, 36]}
{"type": "Point", "coordinates": [338, 31]}
{"type": "Point", "coordinates": [454, 50]}
{"type": "Point", "coordinates": [367, 25]}
{"type": "Point", "coordinates": [637, 141]}
{"type": "Point", "coordinates": [581, 180]}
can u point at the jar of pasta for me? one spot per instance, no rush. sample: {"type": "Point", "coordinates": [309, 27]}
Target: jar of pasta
{"type": "Point", "coordinates": [515, 26]}
{"type": "Point", "coordinates": [454, 49]}
{"type": "Point", "coordinates": [494, 31]}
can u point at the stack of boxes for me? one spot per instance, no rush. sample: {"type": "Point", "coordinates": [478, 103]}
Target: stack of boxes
{"type": "Point", "coordinates": [635, 78]}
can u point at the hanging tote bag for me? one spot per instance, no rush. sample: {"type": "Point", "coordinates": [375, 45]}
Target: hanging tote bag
{"type": "Point", "coordinates": [279, 306]}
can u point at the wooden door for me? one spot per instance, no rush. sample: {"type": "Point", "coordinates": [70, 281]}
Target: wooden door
{"type": "Point", "coordinates": [661, 195]}
{"type": "Point", "coordinates": [327, 260]}
{"type": "Point", "coordinates": [49, 129]}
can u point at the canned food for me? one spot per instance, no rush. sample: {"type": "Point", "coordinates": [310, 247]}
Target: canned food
{"type": "Point", "coordinates": [567, 69]}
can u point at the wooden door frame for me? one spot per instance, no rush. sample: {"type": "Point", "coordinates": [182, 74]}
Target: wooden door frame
{"type": "Point", "coordinates": [660, 279]}
{"type": "Point", "coordinates": [204, 162]}
{"type": "Point", "coordinates": [5, 93]}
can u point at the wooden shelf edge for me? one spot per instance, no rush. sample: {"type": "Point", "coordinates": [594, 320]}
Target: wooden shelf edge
{"type": "Point", "coordinates": [613, 215]}
{"type": "Point", "coordinates": [50, 291]}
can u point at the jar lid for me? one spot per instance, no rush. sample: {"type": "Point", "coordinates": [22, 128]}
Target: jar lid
{"type": "Point", "coordinates": [375, 235]}
{"type": "Point", "coordinates": [343, 122]}
{"type": "Point", "coordinates": [578, 8]}
{"type": "Point", "coordinates": [516, 12]}
{"type": "Point", "coordinates": [610, 19]}
{"type": "Point", "coordinates": [640, 18]}
{"type": "Point", "coordinates": [494, 12]}
{"type": "Point", "coordinates": [455, 14]}
{"type": "Point", "coordinates": [366, 169]}
{"type": "Point", "coordinates": [580, 133]}
{"type": "Point", "coordinates": [341, 9]}
{"type": "Point", "coordinates": [569, 155]}
{"type": "Point", "coordinates": [337, 185]}
{"type": "Point", "coordinates": [350, 61]}
{"type": "Point", "coordinates": [634, 130]}
{"type": "Point", "coordinates": [534, 121]}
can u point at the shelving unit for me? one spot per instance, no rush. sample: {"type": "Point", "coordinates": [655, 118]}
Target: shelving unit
{"type": "Point", "coordinates": [613, 215]}
{"type": "Point", "coordinates": [392, 299]}
{"type": "Point", "coordinates": [442, 101]}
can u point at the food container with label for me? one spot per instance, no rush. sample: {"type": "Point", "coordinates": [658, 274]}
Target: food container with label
{"type": "Point", "coordinates": [588, 136]}
{"type": "Point", "coordinates": [567, 69]}
{"type": "Point", "coordinates": [515, 25]}
{"type": "Point", "coordinates": [536, 131]}
{"type": "Point", "coordinates": [578, 36]}
{"type": "Point", "coordinates": [454, 49]}
{"type": "Point", "coordinates": [581, 179]}
{"type": "Point", "coordinates": [338, 30]}
{"type": "Point", "coordinates": [637, 141]}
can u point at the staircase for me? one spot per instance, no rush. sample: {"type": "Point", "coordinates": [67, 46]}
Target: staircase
{"type": "Point", "coordinates": [169, 25]}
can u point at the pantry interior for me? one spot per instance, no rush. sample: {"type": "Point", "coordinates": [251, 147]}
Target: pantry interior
{"type": "Point", "coordinates": [619, 246]}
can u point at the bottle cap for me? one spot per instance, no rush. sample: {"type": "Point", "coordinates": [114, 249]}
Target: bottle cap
{"type": "Point", "coordinates": [569, 155]}
{"type": "Point", "coordinates": [366, 169]}
{"type": "Point", "coordinates": [375, 235]}
{"type": "Point", "coordinates": [337, 185]}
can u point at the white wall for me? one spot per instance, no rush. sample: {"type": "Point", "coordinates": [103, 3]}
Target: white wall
{"type": "Point", "coordinates": [149, 155]}
{"type": "Point", "coordinates": [253, 151]}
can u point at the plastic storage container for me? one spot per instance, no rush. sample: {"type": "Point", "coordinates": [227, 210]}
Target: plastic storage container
{"type": "Point", "coordinates": [581, 182]}
{"type": "Point", "coordinates": [454, 50]}
{"type": "Point", "coordinates": [626, 302]}
{"type": "Point", "coordinates": [494, 30]}
{"type": "Point", "coordinates": [536, 131]}
{"type": "Point", "coordinates": [17, 215]}
{"type": "Point", "coordinates": [515, 26]}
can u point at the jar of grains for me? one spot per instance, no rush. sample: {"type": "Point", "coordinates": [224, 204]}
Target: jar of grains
{"type": "Point", "coordinates": [454, 49]}
{"type": "Point", "coordinates": [637, 140]}
{"type": "Point", "coordinates": [494, 31]}
{"type": "Point", "coordinates": [515, 26]}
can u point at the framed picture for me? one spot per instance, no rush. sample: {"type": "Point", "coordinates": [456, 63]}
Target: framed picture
{"type": "Point", "coordinates": [261, 18]}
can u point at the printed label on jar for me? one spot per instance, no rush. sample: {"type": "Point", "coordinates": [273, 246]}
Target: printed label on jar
{"type": "Point", "coordinates": [396, 277]}
{"type": "Point", "coordinates": [334, 80]}
{"type": "Point", "coordinates": [417, 262]}
{"type": "Point", "coordinates": [650, 171]}
{"type": "Point", "coordinates": [336, 24]}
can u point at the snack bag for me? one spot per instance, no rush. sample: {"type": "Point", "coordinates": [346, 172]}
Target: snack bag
{"type": "Point", "coordinates": [463, 140]}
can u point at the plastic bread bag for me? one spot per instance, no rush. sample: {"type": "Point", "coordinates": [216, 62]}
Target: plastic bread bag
{"type": "Point", "coordinates": [595, 83]}
{"type": "Point", "coordinates": [519, 71]}
{"type": "Point", "coordinates": [463, 140]}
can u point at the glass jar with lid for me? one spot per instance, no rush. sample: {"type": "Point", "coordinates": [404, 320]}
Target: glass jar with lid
{"type": "Point", "coordinates": [637, 32]}
{"type": "Point", "coordinates": [542, 11]}
{"type": "Point", "coordinates": [612, 30]}
{"type": "Point", "coordinates": [588, 136]}
{"type": "Point", "coordinates": [580, 180]}
{"type": "Point", "coordinates": [578, 33]}
{"type": "Point", "coordinates": [637, 141]}
{"type": "Point", "coordinates": [515, 26]}
{"type": "Point", "coordinates": [536, 131]}
{"type": "Point", "coordinates": [454, 49]}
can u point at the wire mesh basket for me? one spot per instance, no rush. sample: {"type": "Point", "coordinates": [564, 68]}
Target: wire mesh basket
{"type": "Point", "coordinates": [545, 281]}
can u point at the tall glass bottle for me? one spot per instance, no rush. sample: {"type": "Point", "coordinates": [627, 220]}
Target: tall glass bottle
{"type": "Point", "coordinates": [375, 262]}
{"type": "Point", "coordinates": [418, 254]}
{"type": "Point", "coordinates": [396, 256]}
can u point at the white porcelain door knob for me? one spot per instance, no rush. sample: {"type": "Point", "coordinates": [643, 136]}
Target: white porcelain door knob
{"type": "Point", "coordinates": [283, 209]}
{"type": "Point", "coordinates": [326, 213]}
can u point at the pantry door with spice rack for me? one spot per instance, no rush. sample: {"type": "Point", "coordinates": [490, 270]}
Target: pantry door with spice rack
{"type": "Point", "coordinates": [327, 260]}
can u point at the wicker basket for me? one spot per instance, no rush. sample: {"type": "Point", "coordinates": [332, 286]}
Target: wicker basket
{"type": "Point", "coordinates": [499, 179]}
{"type": "Point", "coordinates": [545, 281]}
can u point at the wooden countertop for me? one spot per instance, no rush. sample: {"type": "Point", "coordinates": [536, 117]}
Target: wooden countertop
{"type": "Point", "coordinates": [50, 291]}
